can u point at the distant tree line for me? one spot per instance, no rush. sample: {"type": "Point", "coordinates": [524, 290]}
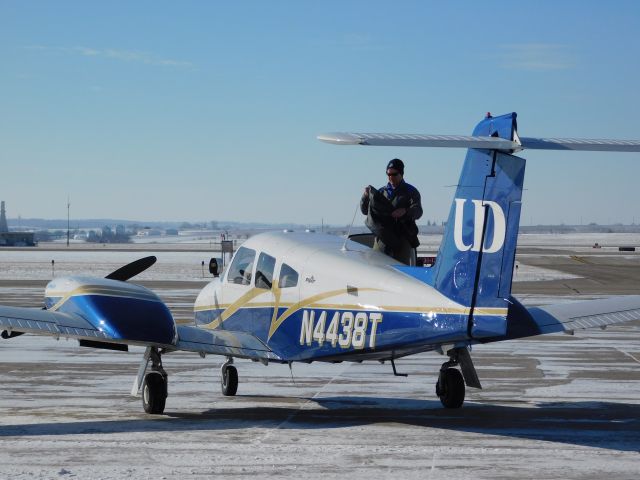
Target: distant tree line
{"type": "Point", "coordinates": [107, 235]}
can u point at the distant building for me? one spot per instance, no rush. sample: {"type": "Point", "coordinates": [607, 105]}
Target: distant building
{"type": "Point", "coordinates": [13, 239]}
{"type": "Point", "coordinates": [4, 228]}
{"type": "Point", "coordinates": [17, 239]}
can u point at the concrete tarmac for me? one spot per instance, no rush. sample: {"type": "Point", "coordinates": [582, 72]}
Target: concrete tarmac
{"type": "Point", "coordinates": [552, 406]}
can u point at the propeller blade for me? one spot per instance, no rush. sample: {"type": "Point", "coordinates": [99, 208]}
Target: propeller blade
{"type": "Point", "coordinates": [132, 269]}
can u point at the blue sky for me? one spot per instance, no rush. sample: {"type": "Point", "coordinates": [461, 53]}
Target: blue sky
{"type": "Point", "coordinates": [199, 110]}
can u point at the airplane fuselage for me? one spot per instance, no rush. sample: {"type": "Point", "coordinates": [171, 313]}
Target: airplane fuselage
{"type": "Point", "coordinates": [314, 297]}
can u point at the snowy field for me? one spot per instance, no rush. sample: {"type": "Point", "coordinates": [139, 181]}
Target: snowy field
{"type": "Point", "coordinates": [556, 406]}
{"type": "Point", "coordinates": [581, 242]}
{"type": "Point", "coordinates": [35, 264]}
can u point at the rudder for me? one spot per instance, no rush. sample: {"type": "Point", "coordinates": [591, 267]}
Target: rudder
{"type": "Point", "coordinates": [475, 262]}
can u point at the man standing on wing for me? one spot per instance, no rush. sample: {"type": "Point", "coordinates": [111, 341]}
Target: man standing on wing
{"type": "Point", "coordinates": [392, 212]}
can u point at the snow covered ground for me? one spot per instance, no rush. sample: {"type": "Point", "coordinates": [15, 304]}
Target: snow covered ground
{"type": "Point", "coordinates": [35, 264]}
{"type": "Point", "coordinates": [557, 407]}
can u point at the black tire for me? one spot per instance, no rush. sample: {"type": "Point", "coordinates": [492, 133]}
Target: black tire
{"type": "Point", "coordinates": [154, 393]}
{"type": "Point", "coordinates": [229, 381]}
{"type": "Point", "coordinates": [450, 388]}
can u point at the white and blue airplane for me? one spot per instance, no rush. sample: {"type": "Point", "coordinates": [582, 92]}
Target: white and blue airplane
{"type": "Point", "coordinates": [288, 297]}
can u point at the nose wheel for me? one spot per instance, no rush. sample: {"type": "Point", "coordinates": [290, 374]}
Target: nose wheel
{"type": "Point", "coordinates": [229, 379]}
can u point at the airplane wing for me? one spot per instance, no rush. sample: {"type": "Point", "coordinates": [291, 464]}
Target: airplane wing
{"type": "Point", "coordinates": [17, 320]}
{"type": "Point", "coordinates": [568, 317]}
{"type": "Point", "coordinates": [222, 342]}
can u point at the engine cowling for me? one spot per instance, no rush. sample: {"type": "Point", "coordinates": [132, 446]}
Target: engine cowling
{"type": "Point", "coordinates": [124, 311]}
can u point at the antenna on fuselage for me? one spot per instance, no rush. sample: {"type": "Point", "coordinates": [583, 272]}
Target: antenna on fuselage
{"type": "Point", "coordinates": [291, 372]}
{"type": "Point", "coordinates": [344, 245]}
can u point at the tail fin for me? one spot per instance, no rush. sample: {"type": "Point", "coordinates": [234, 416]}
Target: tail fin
{"type": "Point", "coordinates": [475, 263]}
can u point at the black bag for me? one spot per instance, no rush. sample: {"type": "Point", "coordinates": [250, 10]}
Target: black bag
{"type": "Point", "coordinates": [380, 221]}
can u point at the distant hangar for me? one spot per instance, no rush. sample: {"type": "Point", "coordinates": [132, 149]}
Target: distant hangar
{"type": "Point", "coordinates": [13, 239]}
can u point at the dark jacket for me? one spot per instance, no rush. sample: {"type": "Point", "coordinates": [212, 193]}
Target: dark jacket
{"type": "Point", "coordinates": [378, 207]}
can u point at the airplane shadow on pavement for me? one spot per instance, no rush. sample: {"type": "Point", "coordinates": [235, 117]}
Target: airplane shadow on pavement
{"type": "Point", "coordinates": [614, 426]}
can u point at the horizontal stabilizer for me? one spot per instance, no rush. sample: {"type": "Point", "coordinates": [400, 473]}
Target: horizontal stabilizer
{"type": "Point", "coordinates": [417, 140]}
{"type": "Point", "coordinates": [583, 144]}
{"type": "Point", "coordinates": [567, 317]}
{"type": "Point", "coordinates": [489, 143]}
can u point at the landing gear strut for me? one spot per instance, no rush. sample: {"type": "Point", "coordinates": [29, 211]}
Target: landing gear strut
{"type": "Point", "coordinates": [154, 386]}
{"type": "Point", "coordinates": [451, 383]}
{"type": "Point", "coordinates": [229, 378]}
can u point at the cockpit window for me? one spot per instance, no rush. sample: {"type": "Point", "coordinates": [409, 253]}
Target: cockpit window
{"type": "Point", "coordinates": [288, 277]}
{"type": "Point", "coordinates": [264, 272]}
{"type": "Point", "coordinates": [242, 266]}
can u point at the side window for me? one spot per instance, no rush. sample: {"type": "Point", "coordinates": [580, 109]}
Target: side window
{"type": "Point", "coordinates": [241, 267]}
{"type": "Point", "coordinates": [264, 272]}
{"type": "Point", "coordinates": [288, 277]}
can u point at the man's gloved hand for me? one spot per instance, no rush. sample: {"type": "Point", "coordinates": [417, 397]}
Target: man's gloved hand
{"type": "Point", "coordinates": [399, 212]}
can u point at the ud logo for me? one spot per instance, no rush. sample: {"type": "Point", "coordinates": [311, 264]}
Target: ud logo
{"type": "Point", "coordinates": [499, 226]}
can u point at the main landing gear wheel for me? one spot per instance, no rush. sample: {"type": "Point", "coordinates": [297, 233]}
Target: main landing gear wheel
{"type": "Point", "coordinates": [450, 388]}
{"type": "Point", "coordinates": [229, 380]}
{"type": "Point", "coordinates": [154, 392]}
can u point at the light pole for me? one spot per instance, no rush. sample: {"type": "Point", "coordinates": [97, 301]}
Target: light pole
{"type": "Point", "coordinates": [68, 206]}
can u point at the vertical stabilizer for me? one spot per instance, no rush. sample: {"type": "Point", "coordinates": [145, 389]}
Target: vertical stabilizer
{"type": "Point", "coordinates": [475, 263]}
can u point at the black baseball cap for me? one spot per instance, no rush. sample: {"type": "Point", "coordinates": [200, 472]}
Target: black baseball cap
{"type": "Point", "coordinates": [396, 164]}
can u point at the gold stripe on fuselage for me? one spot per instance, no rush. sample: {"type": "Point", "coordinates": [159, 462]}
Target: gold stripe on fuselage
{"type": "Point", "coordinates": [314, 302]}
{"type": "Point", "coordinates": [275, 323]}
{"type": "Point", "coordinates": [360, 307]}
{"type": "Point", "coordinates": [102, 291]}
{"type": "Point", "coordinates": [235, 306]}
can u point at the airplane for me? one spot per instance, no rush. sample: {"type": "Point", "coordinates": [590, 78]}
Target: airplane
{"type": "Point", "coordinates": [305, 297]}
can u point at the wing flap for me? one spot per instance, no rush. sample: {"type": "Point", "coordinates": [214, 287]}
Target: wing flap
{"type": "Point", "coordinates": [567, 317]}
{"type": "Point", "coordinates": [223, 342]}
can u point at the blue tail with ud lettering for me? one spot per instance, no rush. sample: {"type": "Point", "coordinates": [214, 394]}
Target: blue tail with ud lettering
{"type": "Point", "coordinates": [475, 263]}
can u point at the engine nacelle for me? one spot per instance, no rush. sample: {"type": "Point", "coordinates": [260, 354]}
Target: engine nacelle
{"type": "Point", "coordinates": [122, 310]}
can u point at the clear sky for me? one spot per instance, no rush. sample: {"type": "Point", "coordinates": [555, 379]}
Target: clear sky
{"type": "Point", "coordinates": [203, 110]}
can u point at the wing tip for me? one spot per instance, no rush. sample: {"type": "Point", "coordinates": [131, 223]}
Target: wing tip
{"type": "Point", "coordinates": [339, 138]}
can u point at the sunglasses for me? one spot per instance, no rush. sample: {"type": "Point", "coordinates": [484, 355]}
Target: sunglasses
{"type": "Point", "coordinates": [389, 174]}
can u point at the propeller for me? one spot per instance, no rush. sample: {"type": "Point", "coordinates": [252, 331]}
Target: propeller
{"type": "Point", "coordinates": [132, 269]}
